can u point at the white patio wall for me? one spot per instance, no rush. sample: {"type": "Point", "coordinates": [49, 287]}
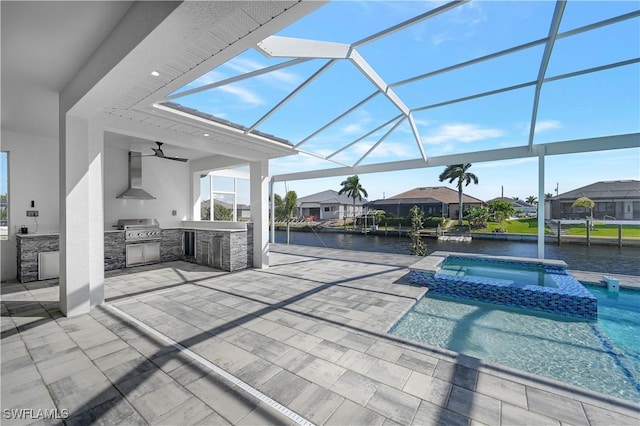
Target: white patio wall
{"type": "Point", "coordinates": [166, 180]}
{"type": "Point", "coordinates": [33, 175]}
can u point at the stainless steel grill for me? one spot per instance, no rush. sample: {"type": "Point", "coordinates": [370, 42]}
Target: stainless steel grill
{"type": "Point", "coordinates": [140, 229]}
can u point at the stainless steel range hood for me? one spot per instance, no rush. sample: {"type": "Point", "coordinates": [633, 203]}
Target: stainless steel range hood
{"type": "Point", "coordinates": [135, 191]}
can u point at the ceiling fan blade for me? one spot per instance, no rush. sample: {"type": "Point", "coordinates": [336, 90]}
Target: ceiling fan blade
{"type": "Point", "coordinates": [159, 153]}
{"type": "Point", "coordinates": [184, 160]}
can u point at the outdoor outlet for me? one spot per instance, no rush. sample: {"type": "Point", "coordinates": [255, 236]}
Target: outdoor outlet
{"type": "Point", "coordinates": [32, 213]}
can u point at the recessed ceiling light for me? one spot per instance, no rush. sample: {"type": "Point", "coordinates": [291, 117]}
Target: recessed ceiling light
{"type": "Point", "coordinates": [206, 134]}
{"type": "Point", "coordinates": [155, 73]}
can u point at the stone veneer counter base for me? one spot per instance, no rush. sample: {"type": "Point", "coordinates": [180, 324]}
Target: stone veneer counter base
{"type": "Point", "coordinates": [235, 248]}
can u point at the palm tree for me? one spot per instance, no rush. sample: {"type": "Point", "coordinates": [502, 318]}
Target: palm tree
{"type": "Point", "coordinates": [532, 199]}
{"type": "Point", "coordinates": [353, 188]}
{"type": "Point", "coordinates": [459, 172]}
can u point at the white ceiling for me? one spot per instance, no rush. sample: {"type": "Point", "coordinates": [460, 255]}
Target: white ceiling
{"type": "Point", "coordinates": [43, 46]}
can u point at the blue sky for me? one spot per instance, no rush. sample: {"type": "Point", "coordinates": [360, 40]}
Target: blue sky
{"type": "Point", "coordinates": [3, 173]}
{"type": "Point", "coordinates": [589, 105]}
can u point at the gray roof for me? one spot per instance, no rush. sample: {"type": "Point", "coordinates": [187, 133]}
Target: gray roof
{"type": "Point", "coordinates": [605, 190]}
{"type": "Point", "coordinates": [329, 197]}
{"type": "Point", "coordinates": [429, 194]}
{"type": "Point", "coordinates": [402, 201]}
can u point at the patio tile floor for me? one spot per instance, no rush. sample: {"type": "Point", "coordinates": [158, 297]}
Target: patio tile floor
{"type": "Point", "coordinates": [309, 333]}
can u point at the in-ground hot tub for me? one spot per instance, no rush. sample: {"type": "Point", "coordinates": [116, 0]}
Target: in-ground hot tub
{"type": "Point", "coordinates": [536, 284]}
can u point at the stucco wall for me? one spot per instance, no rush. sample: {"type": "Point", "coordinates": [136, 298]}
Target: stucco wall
{"type": "Point", "coordinates": [166, 180]}
{"type": "Point", "coordinates": [33, 175]}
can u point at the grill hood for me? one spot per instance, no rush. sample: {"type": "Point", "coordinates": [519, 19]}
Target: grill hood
{"type": "Point", "coordinates": [135, 191]}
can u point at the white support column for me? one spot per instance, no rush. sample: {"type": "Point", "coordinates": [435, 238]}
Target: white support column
{"type": "Point", "coordinates": [81, 216]}
{"type": "Point", "coordinates": [259, 184]}
{"type": "Point", "coordinates": [541, 203]}
{"type": "Point", "coordinates": [96, 212]}
{"type": "Point", "coordinates": [272, 221]}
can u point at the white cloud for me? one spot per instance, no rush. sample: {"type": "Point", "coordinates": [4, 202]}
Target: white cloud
{"type": "Point", "coordinates": [436, 39]}
{"type": "Point", "coordinates": [353, 128]}
{"type": "Point", "coordinates": [289, 78]}
{"type": "Point", "coordinates": [244, 65]}
{"type": "Point", "coordinates": [298, 163]}
{"type": "Point", "coordinates": [244, 95]}
{"type": "Point", "coordinates": [208, 78]}
{"type": "Point", "coordinates": [543, 125]}
{"type": "Point", "coordinates": [461, 132]}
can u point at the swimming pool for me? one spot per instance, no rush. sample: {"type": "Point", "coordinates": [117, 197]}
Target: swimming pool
{"type": "Point", "coordinates": [516, 275]}
{"type": "Point", "coordinates": [532, 284]}
{"type": "Point", "coordinates": [603, 356]}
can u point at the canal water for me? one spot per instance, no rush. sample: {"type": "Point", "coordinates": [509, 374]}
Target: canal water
{"type": "Point", "coordinates": [596, 258]}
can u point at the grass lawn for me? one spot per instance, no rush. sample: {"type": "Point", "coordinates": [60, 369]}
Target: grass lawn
{"type": "Point", "coordinates": [516, 226]}
{"type": "Point", "coordinates": [628, 231]}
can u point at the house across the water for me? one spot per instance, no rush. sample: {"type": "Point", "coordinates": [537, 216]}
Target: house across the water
{"type": "Point", "coordinates": [435, 201]}
{"type": "Point", "coordinates": [614, 199]}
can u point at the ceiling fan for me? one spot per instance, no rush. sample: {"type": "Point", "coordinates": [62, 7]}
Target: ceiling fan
{"type": "Point", "coordinates": [157, 152]}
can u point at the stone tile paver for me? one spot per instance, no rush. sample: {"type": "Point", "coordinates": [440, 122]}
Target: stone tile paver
{"type": "Point", "coordinates": [389, 373]}
{"type": "Point", "coordinates": [556, 406]}
{"type": "Point", "coordinates": [428, 388]}
{"type": "Point", "coordinates": [394, 404]}
{"type": "Point", "coordinates": [518, 416]}
{"type": "Point", "coordinates": [503, 389]}
{"type": "Point", "coordinates": [317, 403]}
{"type": "Point", "coordinates": [355, 387]}
{"type": "Point", "coordinates": [309, 332]}
{"type": "Point", "coordinates": [429, 414]}
{"type": "Point", "coordinates": [474, 405]}
{"type": "Point", "coordinates": [350, 413]}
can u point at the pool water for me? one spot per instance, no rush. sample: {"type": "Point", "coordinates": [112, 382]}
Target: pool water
{"type": "Point", "coordinates": [603, 356]}
{"type": "Point", "coordinates": [521, 275]}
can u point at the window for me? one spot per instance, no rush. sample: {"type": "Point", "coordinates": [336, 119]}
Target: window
{"type": "Point", "coordinates": [224, 196]}
{"type": "Point", "coordinates": [4, 195]}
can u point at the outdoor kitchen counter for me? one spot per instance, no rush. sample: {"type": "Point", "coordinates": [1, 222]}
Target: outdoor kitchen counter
{"type": "Point", "coordinates": [221, 245]}
{"type": "Point", "coordinates": [29, 246]}
{"type": "Point", "coordinates": [229, 248]}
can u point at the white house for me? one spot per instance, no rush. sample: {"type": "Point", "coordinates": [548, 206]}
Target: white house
{"type": "Point", "coordinates": [329, 204]}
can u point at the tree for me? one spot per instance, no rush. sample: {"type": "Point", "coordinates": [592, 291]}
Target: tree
{"type": "Point", "coordinates": [585, 202]}
{"type": "Point", "coordinates": [286, 208]}
{"type": "Point", "coordinates": [459, 172]}
{"type": "Point", "coordinates": [417, 247]}
{"type": "Point", "coordinates": [478, 217]}
{"type": "Point", "coordinates": [221, 213]}
{"type": "Point", "coordinates": [353, 188]}
{"type": "Point", "coordinates": [532, 199]}
{"type": "Point", "coordinates": [548, 196]}
{"type": "Point", "coordinates": [500, 210]}
{"type": "Point", "coordinates": [205, 213]}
